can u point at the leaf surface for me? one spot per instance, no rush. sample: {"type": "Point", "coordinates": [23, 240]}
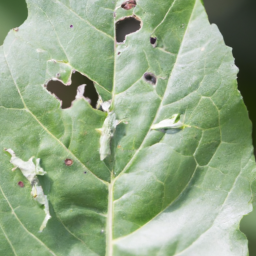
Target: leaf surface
{"type": "Point", "coordinates": [160, 192]}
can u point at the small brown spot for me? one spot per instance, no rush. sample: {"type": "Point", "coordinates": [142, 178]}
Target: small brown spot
{"type": "Point", "coordinates": [16, 29]}
{"type": "Point", "coordinates": [21, 184]}
{"type": "Point", "coordinates": [85, 172]}
{"type": "Point", "coordinates": [119, 147]}
{"type": "Point", "coordinates": [118, 53]}
{"type": "Point", "coordinates": [127, 5]}
{"type": "Point", "coordinates": [68, 162]}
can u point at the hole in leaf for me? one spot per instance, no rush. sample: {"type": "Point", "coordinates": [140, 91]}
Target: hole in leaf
{"type": "Point", "coordinates": [127, 5]}
{"type": "Point", "coordinates": [67, 94]}
{"type": "Point", "coordinates": [150, 78]}
{"type": "Point", "coordinates": [153, 41]}
{"type": "Point", "coordinates": [126, 26]}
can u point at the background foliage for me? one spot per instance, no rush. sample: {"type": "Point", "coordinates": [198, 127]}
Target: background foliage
{"type": "Point", "coordinates": [236, 20]}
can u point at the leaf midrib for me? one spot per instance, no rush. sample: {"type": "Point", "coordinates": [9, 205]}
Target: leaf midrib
{"type": "Point", "coordinates": [156, 116]}
{"type": "Point", "coordinates": [161, 103]}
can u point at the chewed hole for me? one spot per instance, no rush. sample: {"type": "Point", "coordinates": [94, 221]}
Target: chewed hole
{"type": "Point", "coordinates": [150, 78]}
{"type": "Point", "coordinates": [153, 41]}
{"type": "Point", "coordinates": [126, 26]}
{"type": "Point", "coordinates": [127, 5]}
{"type": "Point", "coordinates": [67, 94]}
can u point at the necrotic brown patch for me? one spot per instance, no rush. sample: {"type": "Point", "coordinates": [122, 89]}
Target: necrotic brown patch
{"type": "Point", "coordinates": [127, 5]}
{"type": "Point", "coordinates": [21, 184]}
{"type": "Point", "coordinates": [68, 162]}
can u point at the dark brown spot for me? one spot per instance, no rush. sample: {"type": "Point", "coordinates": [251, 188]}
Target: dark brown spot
{"type": "Point", "coordinates": [68, 162]}
{"type": "Point", "coordinates": [150, 78]}
{"type": "Point", "coordinates": [71, 26]}
{"type": "Point", "coordinates": [21, 184]}
{"type": "Point", "coordinates": [118, 53]}
{"type": "Point", "coordinates": [85, 172]}
{"type": "Point", "coordinates": [127, 5]}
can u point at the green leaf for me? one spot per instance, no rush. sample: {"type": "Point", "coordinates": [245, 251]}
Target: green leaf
{"type": "Point", "coordinates": [161, 192]}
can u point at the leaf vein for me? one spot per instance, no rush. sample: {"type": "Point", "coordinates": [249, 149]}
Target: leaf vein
{"type": "Point", "coordinates": [161, 105]}
{"type": "Point", "coordinates": [179, 253]}
{"type": "Point", "coordinates": [85, 20]}
{"type": "Point", "coordinates": [71, 233]}
{"type": "Point", "coordinates": [14, 252]}
{"type": "Point", "coordinates": [53, 29]}
{"type": "Point", "coordinates": [31, 234]}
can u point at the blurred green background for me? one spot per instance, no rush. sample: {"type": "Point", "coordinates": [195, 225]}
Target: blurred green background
{"type": "Point", "coordinates": [236, 20]}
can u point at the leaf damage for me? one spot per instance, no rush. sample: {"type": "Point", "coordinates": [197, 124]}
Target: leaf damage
{"type": "Point", "coordinates": [30, 170]}
{"type": "Point", "coordinates": [127, 25]}
{"type": "Point", "coordinates": [103, 105]}
{"type": "Point", "coordinates": [107, 132]}
{"type": "Point", "coordinates": [172, 123]}
{"type": "Point", "coordinates": [108, 129]}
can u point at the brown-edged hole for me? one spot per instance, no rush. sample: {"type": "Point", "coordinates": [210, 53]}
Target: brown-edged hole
{"type": "Point", "coordinates": [153, 41]}
{"type": "Point", "coordinates": [126, 26]}
{"type": "Point", "coordinates": [66, 94]}
{"type": "Point", "coordinates": [150, 78]}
